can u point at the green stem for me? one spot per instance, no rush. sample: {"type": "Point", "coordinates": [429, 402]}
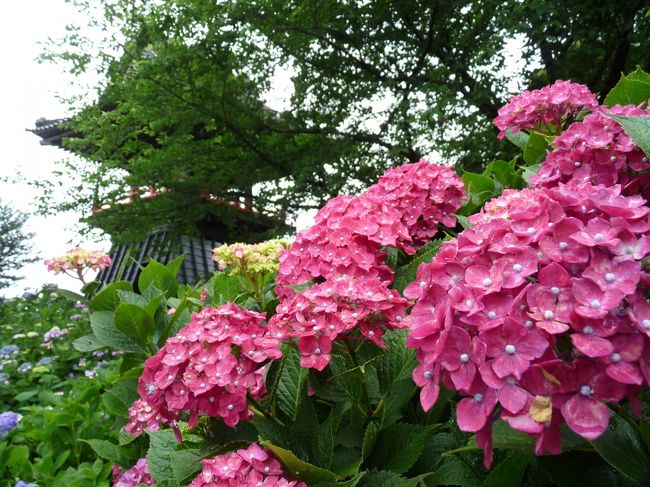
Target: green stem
{"type": "Point", "coordinates": [258, 408]}
{"type": "Point", "coordinates": [364, 390]}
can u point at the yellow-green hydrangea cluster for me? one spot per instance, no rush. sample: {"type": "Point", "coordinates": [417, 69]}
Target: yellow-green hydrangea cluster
{"type": "Point", "coordinates": [241, 258]}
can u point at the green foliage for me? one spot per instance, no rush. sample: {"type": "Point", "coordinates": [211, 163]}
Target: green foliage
{"type": "Point", "coordinates": [638, 128]}
{"type": "Point", "coordinates": [631, 89]}
{"type": "Point", "coordinates": [15, 249]}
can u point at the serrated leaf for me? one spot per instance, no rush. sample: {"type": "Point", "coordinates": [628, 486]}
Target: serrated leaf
{"type": "Point", "coordinates": [370, 438]}
{"type": "Point", "coordinates": [134, 321]}
{"type": "Point", "coordinates": [622, 447]}
{"type": "Point", "coordinates": [386, 479]}
{"type": "Point", "coordinates": [347, 483]}
{"type": "Point", "coordinates": [160, 277]}
{"type": "Point", "coordinates": [323, 443]}
{"type": "Point", "coordinates": [398, 447]}
{"type": "Point", "coordinates": [301, 470]}
{"type": "Point", "coordinates": [407, 273]}
{"type": "Point", "coordinates": [453, 470]}
{"type": "Point", "coordinates": [87, 343]}
{"type": "Point", "coordinates": [519, 139]}
{"type": "Point", "coordinates": [111, 452]}
{"type": "Point", "coordinates": [638, 128]}
{"type": "Point", "coordinates": [510, 472]}
{"type": "Point", "coordinates": [396, 363]}
{"type": "Point", "coordinates": [291, 382]}
{"type": "Point", "coordinates": [106, 333]}
{"type": "Point", "coordinates": [119, 398]}
{"type": "Point", "coordinates": [160, 444]}
{"type": "Point", "coordinates": [535, 148]}
{"type": "Point", "coordinates": [132, 298]}
{"type": "Point", "coordinates": [631, 89]}
{"type": "Point", "coordinates": [107, 299]}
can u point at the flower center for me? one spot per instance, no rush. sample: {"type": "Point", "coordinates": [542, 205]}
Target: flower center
{"type": "Point", "coordinates": [478, 397]}
{"type": "Point", "coordinates": [555, 290]}
{"type": "Point", "coordinates": [510, 349]}
{"type": "Point", "coordinates": [428, 374]}
{"type": "Point", "coordinates": [528, 324]}
{"type": "Point", "coordinates": [469, 303]}
{"type": "Point", "coordinates": [464, 357]}
{"type": "Point", "coordinates": [595, 304]}
{"type": "Point", "coordinates": [317, 351]}
{"type": "Point", "coordinates": [487, 282]}
{"type": "Point", "coordinates": [587, 330]}
{"type": "Point", "coordinates": [577, 164]}
{"type": "Point", "coordinates": [530, 230]}
{"type": "Point", "coordinates": [548, 314]}
{"type": "Point", "coordinates": [616, 357]}
{"type": "Point", "coordinates": [371, 333]}
{"type": "Point", "coordinates": [599, 237]}
{"type": "Point", "coordinates": [231, 407]}
{"type": "Point", "coordinates": [492, 315]}
{"type": "Point", "coordinates": [585, 391]}
{"type": "Point", "coordinates": [563, 245]}
{"type": "Point", "coordinates": [645, 324]}
{"type": "Point", "coordinates": [610, 277]}
{"type": "Point", "coordinates": [517, 268]}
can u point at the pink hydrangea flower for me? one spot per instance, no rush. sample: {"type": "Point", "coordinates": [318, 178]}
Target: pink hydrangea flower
{"type": "Point", "coordinates": [545, 109]}
{"type": "Point", "coordinates": [341, 262]}
{"type": "Point", "coordinates": [136, 475]}
{"type": "Point", "coordinates": [208, 368]}
{"type": "Point", "coordinates": [250, 467]}
{"type": "Point", "coordinates": [78, 260]}
{"type": "Point", "coordinates": [541, 268]}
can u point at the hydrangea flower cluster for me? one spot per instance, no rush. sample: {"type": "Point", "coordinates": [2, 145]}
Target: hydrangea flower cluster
{"type": "Point", "coordinates": [545, 109]}
{"type": "Point", "coordinates": [251, 467]}
{"type": "Point", "coordinates": [77, 260]}
{"type": "Point", "coordinates": [22, 483]}
{"type": "Point", "coordinates": [597, 150]}
{"type": "Point", "coordinates": [208, 368]}
{"type": "Point", "coordinates": [242, 258]}
{"type": "Point", "coordinates": [341, 262]}
{"type": "Point", "coordinates": [136, 475]}
{"type": "Point", "coordinates": [538, 313]}
{"type": "Point", "coordinates": [8, 421]}
{"type": "Point", "coordinates": [8, 351]}
{"type": "Point", "coordinates": [53, 334]}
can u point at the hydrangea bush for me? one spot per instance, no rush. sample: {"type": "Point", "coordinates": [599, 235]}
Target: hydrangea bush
{"type": "Point", "coordinates": [436, 329]}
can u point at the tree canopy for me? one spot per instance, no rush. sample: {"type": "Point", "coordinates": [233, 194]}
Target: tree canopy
{"type": "Point", "coordinates": [14, 244]}
{"type": "Point", "coordinates": [184, 109]}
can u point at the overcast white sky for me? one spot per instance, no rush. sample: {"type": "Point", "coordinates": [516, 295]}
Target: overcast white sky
{"type": "Point", "coordinates": [27, 92]}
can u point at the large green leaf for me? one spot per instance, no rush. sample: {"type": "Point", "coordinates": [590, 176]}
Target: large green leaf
{"type": "Point", "coordinates": [119, 398]}
{"type": "Point", "coordinates": [166, 463]}
{"type": "Point", "coordinates": [104, 329]}
{"type": "Point", "coordinates": [134, 321]}
{"type": "Point", "coordinates": [622, 447]}
{"type": "Point", "coordinates": [87, 343]}
{"type": "Point", "coordinates": [107, 299]}
{"type": "Point", "coordinates": [175, 265]}
{"type": "Point", "coordinates": [396, 363]}
{"type": "Point", "coordinates": [631, 89]}
{"type": "Point", "coordinates": [638, 128]}
{"type": "Point", "coordinates": [112, 452]}
{"type": "Point", "coordinates": [386, 479]}
{"type": "Point", "coordinates": [519, 139]}
{"type": "Point", "coordinates": [353, 482]}
{"type": "Point", "coordinates": [398, 447]}
{"type": "Point", "coordinates": [301, 470]}
{"type": "Point", "coordinates": [535, 148]}
{"type": "Point", "coordinates": [159, 276]}
{"type": "Point", "coordinates": [574, 468]}
{"type": "Point", "coordinates": [291, 384]}
{"type": "Point", "coordinates": [226, 287]}
{"type": "Point", "coordinates": [510, 472]}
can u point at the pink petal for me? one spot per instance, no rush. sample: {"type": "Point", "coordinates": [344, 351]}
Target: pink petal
{"type": "Point", "coordinates": [586, 416]}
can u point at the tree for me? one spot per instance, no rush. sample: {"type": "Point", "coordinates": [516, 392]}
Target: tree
{"type": "Point", "coordinates": [14, 244]}
{"type": "Point", "coordinates": [183, 107]}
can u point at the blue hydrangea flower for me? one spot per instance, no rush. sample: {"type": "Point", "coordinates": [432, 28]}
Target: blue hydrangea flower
{"type": "Point", "coordinates": [45, 361]}
{"type": "Point", "coordinates": [8, 351]}
{"type": "Point", "coordinates": [22, 483]}
{"type": "Point", "coordinates": [28, 295]}
{"type": "Point", "coordinates": [3, 379]}
{"type": "Point", "coordinates": [8, 421]}
{"type": "Point", "coordinates": [25, 367]}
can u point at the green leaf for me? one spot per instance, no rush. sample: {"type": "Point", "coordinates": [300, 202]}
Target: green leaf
{"type": "Point", "coordinates": [505, 173]}
{"type": "Point", "coordinates": [120, 397]}
{"type": "Point", "coordinates": [398, 447]}
{"type": "Point", "coordinates": [503, 436]}
{"type": "Point", "coordinates": [370, 439]}
{"type": "Point", "coordinates": [226, 287]}
{"type": "Point", "coordinates": [159, 276]}
{"type": "Point", "coordinates": [535, 150]}
{"type": "Point", "coordinates": [407, 273]}
{"type": "Point", "coordinates": [87, 343]}
{"type": "Point", "coordinates": [107, 299]}
{"type": "Point", "coordinates": [480, 188]}
{"type": "Point", "coordinates": [519, 139]}
{"type": "Point", "coordinates": [175, 265]}
{"type": "Point", "coordinates": [464, 221]}
{"type": "Point", "coordinates": [529, 171]}
{"type": "Point", "coordinates": [23, 396]}
{"type": "Point", "coordinates": [132, 298]}
{"type": "Point", "coordinates": [386, 479]}
{"type": "Point", "coordinates": [184, 463]}
{"type": "Point", "coordinates": [638, 128]}
{"type": "Point", "coordinates": [631, 89]}
{"type": "Point", "coordinates": [323, 443]}
{"type": "Point", "coordinates": [291, 382]}
{"type": "Point", "coordinates": [396, 363]}
{"type": "Point", "coordinates": [510, 472]}
{"type": "Point", "coordinates": [574, 468]}
{"type": "Point", "coordinates": [134, 321]}
{"type": "Point", "coordinates": [91, 287]}
{"type": "Point", "coordinates": [106, 333]}
{"type": "Point", "coordinates": [161, 443]}
{"type": "Point", "coordinates": [72, 296]}
{"type": "Point", "coordinates": [622, 447]}
{"type": "Point", "coordinates": [301, 470]}
{"type": "Point", "coordinates": [111, 452]}
{"type": "Point", "coordinates": [348, 483]}
{"type": "Point", "coordinates": [454, 470]}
